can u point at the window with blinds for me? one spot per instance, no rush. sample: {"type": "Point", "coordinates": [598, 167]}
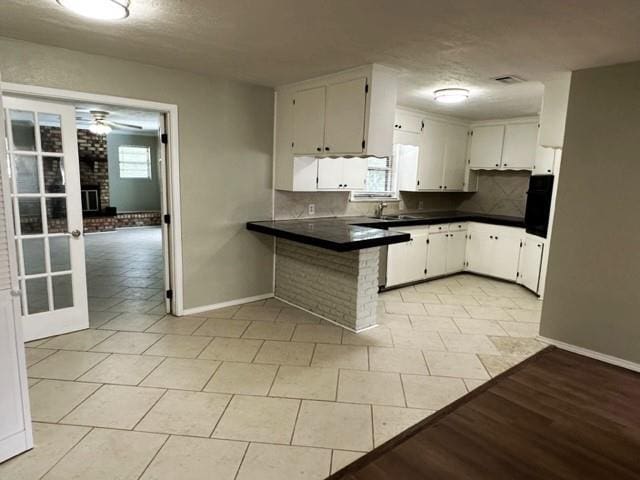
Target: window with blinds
{"type": "Point", "coordinates": [381, 179]}
{"type": "Point", "coordinates": [134, 161]}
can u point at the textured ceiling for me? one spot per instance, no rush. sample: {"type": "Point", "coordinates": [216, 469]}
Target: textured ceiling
{"type": "Point", "coordinates": [434, 43]}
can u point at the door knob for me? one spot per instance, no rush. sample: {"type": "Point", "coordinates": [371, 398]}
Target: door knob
{"type": "Point", "coordinates": [75, 233]}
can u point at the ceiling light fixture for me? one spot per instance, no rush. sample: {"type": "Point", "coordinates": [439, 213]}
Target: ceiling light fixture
{"type": "Point", "coordinates": [98, 9]}
{"type": "Point", "coordinates": [451, 95]}
{"type": "Point", "coordinates": [99, 129]}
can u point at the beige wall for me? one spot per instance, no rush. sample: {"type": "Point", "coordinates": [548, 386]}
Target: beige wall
{"type": "Point", "coordinates": [226, 131]}
{"type": "Point", "coordinates": [592, 297]}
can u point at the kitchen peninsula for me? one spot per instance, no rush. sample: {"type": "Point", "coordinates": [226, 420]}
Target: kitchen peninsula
{"type": "Point", "coordinates": [329, 266]}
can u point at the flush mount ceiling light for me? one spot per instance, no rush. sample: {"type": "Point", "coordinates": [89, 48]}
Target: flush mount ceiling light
{"type": "Point", "coordinates": [98, 9]}
{"type": "Point", "coordinates": [451, 95]}
{"type": "Point", "coordinates": [99, 129]}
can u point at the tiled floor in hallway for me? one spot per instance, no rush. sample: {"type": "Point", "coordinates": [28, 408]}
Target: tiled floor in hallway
{"type": "Point", "coordinates": [259, 391]}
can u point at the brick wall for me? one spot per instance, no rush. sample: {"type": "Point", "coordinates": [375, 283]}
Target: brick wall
{"type": "Point", "coordinates": [340, 286]}
{"type": "Point", "coordinates": [94, 165]}
{"type": "Point", "coordinates": [139, 219]}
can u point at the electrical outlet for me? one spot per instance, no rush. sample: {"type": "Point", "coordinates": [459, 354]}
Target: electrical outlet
{"type": "Point", "coordinates": [421, 204]}
{"type": "Point", "coordinates": [312, 209]}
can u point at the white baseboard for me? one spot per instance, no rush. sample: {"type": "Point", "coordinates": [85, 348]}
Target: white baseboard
{"type": "Point", "coordinates": [230, 303]}
{"type": "Point", "coordinates": [325, 318]}
{"type": "Point", "coordinates": [619, 362]}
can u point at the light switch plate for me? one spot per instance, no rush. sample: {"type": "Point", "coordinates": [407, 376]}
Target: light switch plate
{"type": "Point", "coordinates": [312, 209]}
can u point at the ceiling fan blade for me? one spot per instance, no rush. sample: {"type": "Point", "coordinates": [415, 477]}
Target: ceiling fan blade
{"type": "Point", "coordinates": [123, 125]}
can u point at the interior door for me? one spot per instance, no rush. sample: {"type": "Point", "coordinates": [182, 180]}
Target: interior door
{"type": "Point", "coordinates": [164, 205]}
{"type": "Point", "coordinates": [15, 419]}
{"type": "Point", "coordinates": [45, 195]}
{"type": "Point", "coordinates": [344, 125]}
{"type": "Point", "coordinates": [308, 121]}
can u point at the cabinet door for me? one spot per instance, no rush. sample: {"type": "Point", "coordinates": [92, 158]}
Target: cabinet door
{"type": "Point", "coordinates": [406, 158]}
{"type": "Point", "coordinates": [330, 173]}
{"type": "Point", "coordinates": [456, 251]}
{"type": "Point", "coordinates": [520, 141]}
{"type": "Point", "coordinates": [354, 173]}
{"type": "Point", "coordinates": [544, 161]}
{"type": "Point", "coordinates": [530, 263]}
{"type": "Point", "coordinates": [408, 122]}
{"type": "Point", "coordinates": [486, 147]}
{"type": "Point", "coordinates": [480, 248]}
{"type": "Point", "coordinates": [406, 261]}
{"type": "Point", "coordinates": [308, 121]}
{"type": "Point", "coordinates": [344, 120]}
{"type": "Point", "coordinates": [437, 254]}
{"type": "Point", "coordinates": [455, 157]}
{"type": "Point", "coordinates": [430, 165]}
{"type": "Point", "coordinates": [505, 256]}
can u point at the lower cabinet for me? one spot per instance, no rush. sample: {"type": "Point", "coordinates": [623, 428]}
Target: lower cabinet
{"type": "Point", "coordinates": [406, 262]}
{"type": "Point", "coordinates": [436, 250]}
{"type": "Point", "coordinates": [531, 262]}
{"type": "Point", "coordinates": [494, 250]}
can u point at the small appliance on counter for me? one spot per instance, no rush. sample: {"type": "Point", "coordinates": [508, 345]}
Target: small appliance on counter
{"type": "Point", "coordinates": [538, 210]}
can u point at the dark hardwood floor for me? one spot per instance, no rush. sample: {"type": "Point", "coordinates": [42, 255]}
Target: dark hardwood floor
{"type": "Point", "coordinates": [557, 415]}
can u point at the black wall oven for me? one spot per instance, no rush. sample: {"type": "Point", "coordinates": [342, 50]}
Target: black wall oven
{"type": "Point", "coordinates": [538, 210]}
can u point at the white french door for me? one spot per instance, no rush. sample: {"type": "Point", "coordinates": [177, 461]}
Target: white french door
{"type": "Point", "coordinates": [45, 196]}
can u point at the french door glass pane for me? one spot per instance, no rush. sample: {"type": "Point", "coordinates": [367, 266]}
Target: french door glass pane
{"type": "Point", "coordinates": [57, 215]}
{"type": "Point", "coordinates": [33, 251]}
{"type": "Point", "coordinates": [27, 178]}
{"type": "Point", "coordinates": [59, 251]}
{"type": "Point", "coordinates": [37, 295]}
{"type": "Point", "coordinates": [50, 132]}
{"type": "Point", "coordinates": [54, 178]}
{"type": "Point", "coordinates": [62, 291]}
{"type": "Point", "coordinates": [30, 216]}
{"type": "Point", "coordinates": [23, 129]}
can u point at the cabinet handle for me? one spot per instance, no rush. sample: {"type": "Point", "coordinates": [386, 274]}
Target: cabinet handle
{"type": "Point", "coordinates": [491, 237]}
{"type": "Point", "coordinates": [319, 149]}
{"type": "Point", "coordinates": [497, 164]}
{"type": "Point", "coordinates": [504, 164]}
{"type": "Point", "coordinates": [496, 237]}
{"type": "Point", "coordinates": [445, 187]}
{"type": "Point", "coordinates": [327, 149]}
{"type": "Point", "coordinates": [345, 185]}
{"type": "Point", "coordinates": [440, 187]}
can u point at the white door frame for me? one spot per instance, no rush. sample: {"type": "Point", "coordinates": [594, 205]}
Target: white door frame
{"type": "Point", "coordinates": [173, 162]}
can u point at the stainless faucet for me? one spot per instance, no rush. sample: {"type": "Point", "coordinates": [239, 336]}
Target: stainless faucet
{"type": "Point", "coordinates": [380, 209]}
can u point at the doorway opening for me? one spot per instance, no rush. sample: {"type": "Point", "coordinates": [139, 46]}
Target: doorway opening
{"type": "Point", "coordinates": [80, 151]}
{"type": "Point", "coordinates": [122, 186]}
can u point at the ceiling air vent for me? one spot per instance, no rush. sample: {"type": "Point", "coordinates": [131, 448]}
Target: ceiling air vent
{"type": "Point", "coordinates": [508, 79]}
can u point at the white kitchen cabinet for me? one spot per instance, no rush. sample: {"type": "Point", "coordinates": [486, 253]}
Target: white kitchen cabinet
{"type": "Point", "coordinates": [308, 121]}
{"type": "Point", "coordinates": [494, 250]}
{"type": "Point", "coordinates": [441, 163]}
{"type": "Point", "coordinates": [530, 263]}
{"type": "Point", "coordinates": [486, 146]}
{"type": "Point", "coordinates": [342, 173]}
{"type": "Point", "coordinates": [520, 142]}
{"type": "Point", "coordinates": [455, 157]}
{"type": "Point", "coordinates": [406, 262]}
{"type": "Point", "coordinates": [437, 254]}
{"type": "Point", "coordinates": [345, 117]}
{"type": "Point", "coordinates": [347, 113]}
{"type": "Point", "coordinates": [408, 122]}
{"type": "Point", "coordinates": [456, 251]}
{"type": "Point", "coordinates": [305, 174]}
{"type": "Point", "coordinates": [544, 161]}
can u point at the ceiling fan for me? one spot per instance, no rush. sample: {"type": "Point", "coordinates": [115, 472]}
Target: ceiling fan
{"type": "Point", "coordinates": [99, 124]}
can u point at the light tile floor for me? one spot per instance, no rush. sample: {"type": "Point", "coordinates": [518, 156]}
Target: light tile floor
{"type": "Point", "coordinates": [259, 391]}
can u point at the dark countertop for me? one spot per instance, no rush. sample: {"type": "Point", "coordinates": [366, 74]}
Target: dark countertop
{"type": "Point", "coordinates": [344, 234]}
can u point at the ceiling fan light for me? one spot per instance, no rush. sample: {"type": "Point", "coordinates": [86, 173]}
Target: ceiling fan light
{"type": "Point", "coordinates": [451, 95]}
{"type": "Point", "coordinates": [98, 9]}
{"type": "Point", "coordinates": [99, 129]}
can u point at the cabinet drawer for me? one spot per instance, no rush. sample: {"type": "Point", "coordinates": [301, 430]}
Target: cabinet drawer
{"type": "Point", "coordinates": [440, 227]}
{"type": "Point", "coordinates": [457, 227]}
{"type": "Point", "coordinates": [413, 231]}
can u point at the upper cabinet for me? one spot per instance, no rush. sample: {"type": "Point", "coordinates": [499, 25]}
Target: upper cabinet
{"type": "Point", "coordinates": [408, 122]}
{"type": "Point", "coordinates": [308, 121]}
{"type": "Point", "coordinates": [440, 163]}
{"type": "Point", "coordinates": [504, 146]}
{"type": "Point", "coordinates": [350, 113]}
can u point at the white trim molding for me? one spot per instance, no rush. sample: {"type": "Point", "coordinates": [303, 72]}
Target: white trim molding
{"type": "Point", "coordinates": [618, 362]}
{"type": "Point", "coordinates": [173, 161]}
{"type": "Point", "coordinates": [230, 303]}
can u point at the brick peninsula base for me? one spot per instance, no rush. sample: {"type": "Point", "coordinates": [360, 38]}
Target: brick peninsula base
{"type": "Point", "coordinates": [339, 286]}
